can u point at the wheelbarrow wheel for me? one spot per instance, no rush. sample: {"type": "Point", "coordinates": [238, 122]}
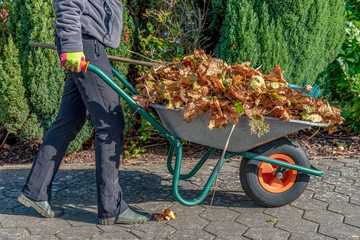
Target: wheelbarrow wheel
{"type": "Point", "coordinates": [258, 178]}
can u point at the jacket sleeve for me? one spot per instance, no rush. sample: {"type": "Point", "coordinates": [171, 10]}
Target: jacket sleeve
{"type": "Point", "coordinates": [67, 24]}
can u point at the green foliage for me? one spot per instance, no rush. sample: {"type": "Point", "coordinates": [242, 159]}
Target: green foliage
{"type": "Point", "coordinates": [14, 109]}
{"type": "Point", "coordinates": [130, 115]}
{"type": "Point", "coordinates": [46, 121]}
{"type": "Point", "coordinates": [158, 40]}
{"type": "Point", "coordinates": [32, 128]}
{"type": "Point", "coordinates": [82, 136]}
{"type": "Point", "coordinates": [145, 130]}
{"type": "Point", "coordinates": [38, 96]}
{"type": "Point", "coordinates": [126, 43]}
{"type": "Point", "coordinates": [345, 72]}
{"type": "Point", "coordinates": [4, 9]}
{"type": "Point", "coordinates": [216, 18]}
{"type": "Point", "coordinates": [41, 72]}
{"type": "Point", "coordinates": [239, 35]}
{"type": "Point", "coordinates": [138, 8]}
{"type": "Point", "coordinates": [45, 88]}
{"type": "Point", "coordinates": [301, 36]}
{"type": "Point", "coordinates": [171, 29]}
{"type": "Point", "coordinates": [133, 150]}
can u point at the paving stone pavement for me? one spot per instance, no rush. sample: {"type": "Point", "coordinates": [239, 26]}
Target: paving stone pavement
{"type": "Point", "coordinates": [328, 209]}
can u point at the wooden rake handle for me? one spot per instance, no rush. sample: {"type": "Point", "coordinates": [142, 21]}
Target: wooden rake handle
{"type": "Point", "coordinates": [111, 58]}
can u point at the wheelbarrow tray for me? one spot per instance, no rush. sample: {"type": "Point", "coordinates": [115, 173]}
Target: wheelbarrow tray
{"type": "Point", "coordinates": [242, 139]}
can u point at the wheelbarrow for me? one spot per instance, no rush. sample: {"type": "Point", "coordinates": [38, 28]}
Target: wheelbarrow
{"type": "Point", "coordinates": [274, 170]}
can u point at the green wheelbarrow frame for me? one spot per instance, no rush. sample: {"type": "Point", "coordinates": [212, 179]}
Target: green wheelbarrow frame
{"type": "Point", "coordinates": [176, 145]}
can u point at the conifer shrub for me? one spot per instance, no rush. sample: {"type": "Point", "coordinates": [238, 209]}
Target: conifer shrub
{"type": "Point", "coordinates": [301, 36]}
{"type": "Point", "coordinates": [32, 129]}
{"type": "Point", "coordinates": [216, 18]}
{"type": "Point", "coordinates": [14, 109]}
{"type": "Point", "coordinates": [126, 43]}
{"type": "Point", "coordinates": [40, 71]}
{"type": "Point", "coordinates": [4, 10]}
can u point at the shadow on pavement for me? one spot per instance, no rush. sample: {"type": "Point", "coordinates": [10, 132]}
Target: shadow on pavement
{"type": "Point", "coordinates": [75, 190]}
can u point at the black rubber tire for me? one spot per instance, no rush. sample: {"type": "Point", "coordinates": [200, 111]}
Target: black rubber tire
{"type": "Point", "coordinates": [249, 173]}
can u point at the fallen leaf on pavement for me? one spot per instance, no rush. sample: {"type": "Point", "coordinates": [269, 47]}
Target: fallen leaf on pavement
{"type": "Point", "coordinates": [166, 214]}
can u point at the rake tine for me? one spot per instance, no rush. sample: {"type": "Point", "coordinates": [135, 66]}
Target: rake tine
{"type": "Point", "coordinates": [303, 82]}
{"type": "Point", "coordinates": [317, 88]}
{"type": "Point", "coordinates": [313, 90]}
{"type": "Point", "coordinates": [316, 93]}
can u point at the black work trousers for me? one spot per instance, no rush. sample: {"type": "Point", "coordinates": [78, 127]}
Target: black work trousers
{"type": "Point", "coordinates": [84, 94]}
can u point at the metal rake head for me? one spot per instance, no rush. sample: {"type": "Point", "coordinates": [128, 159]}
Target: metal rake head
{"type": "Point", "coordinates": [315, 91]}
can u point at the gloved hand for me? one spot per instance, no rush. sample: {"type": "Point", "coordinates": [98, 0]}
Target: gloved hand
{"type": "Point", "coordinates": [72, 60]}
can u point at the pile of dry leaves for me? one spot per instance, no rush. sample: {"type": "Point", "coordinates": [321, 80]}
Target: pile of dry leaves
{"type": "Point", "coordinates": [200, 84]}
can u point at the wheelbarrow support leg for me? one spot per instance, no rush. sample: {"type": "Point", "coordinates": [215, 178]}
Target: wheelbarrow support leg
{"type": "Point", "coordinates": [195, 169]}
{"type": "Point", "coordinates": [209, 183]}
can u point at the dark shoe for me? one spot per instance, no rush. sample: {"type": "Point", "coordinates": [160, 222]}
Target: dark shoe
{"type": "Point", "coordinates": [130, 216]}
{"type": "Point", "coordinates": [42, 207]}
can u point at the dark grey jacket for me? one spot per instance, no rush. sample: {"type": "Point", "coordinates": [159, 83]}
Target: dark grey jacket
{"type": "Point", "coordinates": [101, 19]}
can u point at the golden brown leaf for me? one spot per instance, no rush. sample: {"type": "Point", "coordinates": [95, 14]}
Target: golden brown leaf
{"type": "Point", "coordinates": [127, 34]}
{"type": "Point", "coordinates": [141, 101]}
{"type": "Point", "coordinates": [275, 75]}
{"type": "Point", "coordinates": [166, 214]}
{"type": "Point", "coordinates": [190, 112]}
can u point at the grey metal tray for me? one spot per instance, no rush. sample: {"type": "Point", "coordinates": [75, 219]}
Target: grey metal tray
{"type": "Point", "coordinates": [197, 131]}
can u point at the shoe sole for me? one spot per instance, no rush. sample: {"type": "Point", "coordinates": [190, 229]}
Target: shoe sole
{"type": "Point", "coordinates": [28, 203]}
{"type": "Point", "coordinates": [111, 221]}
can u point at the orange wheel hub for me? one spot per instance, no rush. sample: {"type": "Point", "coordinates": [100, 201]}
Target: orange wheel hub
{"type": "Point", "coordinates": [273, 184]}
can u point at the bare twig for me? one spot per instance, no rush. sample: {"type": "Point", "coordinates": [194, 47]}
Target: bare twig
{"type": "Point", "coordinates": [278, 53]}
{"type": "Point", "coordinates": [160, 62]}
{"type": "Point", "coordinates": [256, 58]}
{"type": "Point", "coordinates": [313, 134]}
{"type": "Point", "coordinates": [143, 56]}
{"type": "Point", "coordinates": [151, 138]}
{"type": "Point", "coordinates": [155, 145]}
{"type": "Point", "coordinates": [26, 159]}
{"type": "Point", "coordinates": [196, 22]}
{"type": "Point", "coordinates": [220, 160]}
{"type": "Point", "coordinates": [3, 142]}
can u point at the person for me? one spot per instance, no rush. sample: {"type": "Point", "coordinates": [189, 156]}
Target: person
{"type": "Point", "coordinates": [84, 28]}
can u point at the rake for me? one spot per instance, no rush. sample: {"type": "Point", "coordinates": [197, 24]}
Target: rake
{"type": "Point", "coordinates": [315, 91]}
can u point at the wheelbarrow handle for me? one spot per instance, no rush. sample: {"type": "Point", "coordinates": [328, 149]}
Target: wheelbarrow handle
{"type": "Point", "coordinates": [175, 143]}
{"type": "Point", "coordinates": [84, 65]}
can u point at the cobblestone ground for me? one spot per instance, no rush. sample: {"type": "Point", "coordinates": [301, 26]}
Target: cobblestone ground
{"type": "Point", "coordinates": [328, 209]}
